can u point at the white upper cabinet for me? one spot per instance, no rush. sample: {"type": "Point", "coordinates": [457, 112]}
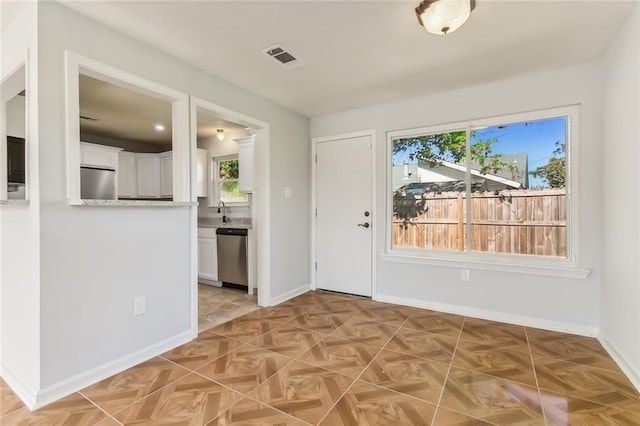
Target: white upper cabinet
{"type": "Point", "coordinates": [126, 174]}
{"type": "Point", "coordinates": [166, 174]}
{"type": "Point", "coordinates": [202, 163]}
{"type": "Point", "coordinates": [246, 159]}
{"type": "Point", "coordinates": [102, 156]}
{"type": "Point", "coordinates": [148, 175]}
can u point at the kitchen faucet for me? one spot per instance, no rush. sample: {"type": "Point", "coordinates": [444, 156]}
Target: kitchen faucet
{"type": "Point", "coordinates": [224, 211]}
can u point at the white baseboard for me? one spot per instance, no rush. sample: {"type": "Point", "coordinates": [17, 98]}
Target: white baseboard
{"type": "Point", "coordinates": [209, 282]}
{"type": "Point", "coordinates": [25, 392]}
{"type": "Point", "coordinates": [564, 327]}
{"type": "Point", "coordinates": [80, 381]}
{"type": "Point", "coordinates": [627, 369]}
{"type": "Point", "coordinates": [289, 295]}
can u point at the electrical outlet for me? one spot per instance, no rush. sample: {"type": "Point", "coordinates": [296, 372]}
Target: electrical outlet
{"type": "Point", "coordinates": [464, 275]}
{"type": "Point", "coordinates": [139, 306]}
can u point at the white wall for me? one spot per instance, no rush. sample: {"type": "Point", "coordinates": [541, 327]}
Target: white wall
{"type": "Point", "coordinates": [19, 225]}
{"type": "Point", "coordinates": [95, 260]}
{"type": "Point", "coordinates": [621, 283]}
{"type": "Point", "coordinates": [16, 117]}
{"type": "Point", "coordinates": [559, 303]}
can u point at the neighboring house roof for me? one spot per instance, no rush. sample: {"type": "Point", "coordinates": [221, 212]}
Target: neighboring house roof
{"type": "Point", "coordinates": [419, 188]}
{"type": "Point", "coordinates": [475, 173]}
{"type": "Point", "coordinates": [519, 172]}
{"type": "Point", "coordinates": [451, 173]}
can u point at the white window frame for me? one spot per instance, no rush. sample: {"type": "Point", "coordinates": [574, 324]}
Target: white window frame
{"type": "Point", "coordinates": [539, 265]}
{"type": "Point", "coordinates": [77, 64]}
{"type": "Point", "coordinates": [217, 182]}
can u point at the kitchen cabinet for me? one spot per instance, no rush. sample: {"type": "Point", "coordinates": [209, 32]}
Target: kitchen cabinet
{"type": "Point", "coordinates": [147, 175]}
{"type": "Point", "coordinates": [246, 160]}
{"type": "Point", "coordinates": [142, 175]}
{"type": "Point", "coordinates": [92, 155]}
{"type": "Point", "coordinates": [126, 174]}
{"type": "Point", "coordinates": [207, 254]}
{"type": "Point", "coordinates": [166, 174]}
{"type": "Point", "coordinates": [202, 168]}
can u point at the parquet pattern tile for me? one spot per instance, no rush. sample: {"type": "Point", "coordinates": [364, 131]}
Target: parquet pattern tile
{"type": "Point", "coordinates": [576, 349]}
{"type": "Point", "coordinates": [561, 410]}
{"type": "Point", "coordinates": [492, 399]}
{"type": "Point", "coordinates": [598, 385]}
{"type": "Point", "coordinates": [288, 340]}
{"type": "Point", "coordinates": [250, 412]}
{"type": "Point", "coordinates": [446, 417]}
{"type": "Point", "coordinates": [387, 313]}
{"type": "Point", "coordinates": [73, 410]}
{"type": "Point", "coordinates": [482, 331]}
{"type": "Point", "coordinates": [341, 355]}
{"type": "Point", "coordinates": [192, 400]}
{"type": "Point", "coordinates": [245, 329]}
{"type": "Point", "coordinates": [207, 347]}
{"type": "Point", "coordinates": [8, 400]}
{"type": "Point", "coordinates": [511, 362]}
{"type": "Point", "coordinates": [332, 359]}
{"type": "Point", "coordinates": [302, 390]}
{"type": "Point", "coordinates": [133, 384]}
{"type": "Point", "coordinates": [320, 322]}
{"type": "Point", "coordinates": [245, 368]}
{"type": "Point", "coordinates": [366, 332]}
{"type": "Point", "coordinates": [407, 374]}
{"type": "Point", "coordinates": [368, 405]}
{"type": "Point", "coordinates": [430, 346]}
{"type": "Point", "coordinates": [435, 322]}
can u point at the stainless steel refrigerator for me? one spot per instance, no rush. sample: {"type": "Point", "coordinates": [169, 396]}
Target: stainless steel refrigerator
{"type": "Point", "coordinates": [97, 183]}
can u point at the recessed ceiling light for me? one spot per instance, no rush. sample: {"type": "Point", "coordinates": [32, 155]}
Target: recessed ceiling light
{"type": "Point", "coordinates": [159, 127]}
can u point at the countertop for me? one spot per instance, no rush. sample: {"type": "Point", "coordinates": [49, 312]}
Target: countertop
{"type": "Point", "coordinates": [216, 222]}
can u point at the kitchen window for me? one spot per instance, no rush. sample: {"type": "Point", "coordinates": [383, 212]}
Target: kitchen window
{"type": "Point", "coordinates": [226, 181]}
{"type": "Point", "coordinates": [498, 187]}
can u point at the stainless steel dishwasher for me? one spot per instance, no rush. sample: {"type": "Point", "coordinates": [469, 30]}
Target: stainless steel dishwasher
{"type": "Point", "coordinates": [232, 256]}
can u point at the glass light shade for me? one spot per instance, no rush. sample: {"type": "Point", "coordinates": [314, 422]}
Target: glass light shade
{"type": "Point", "coordinates": [444, 16]}
{"type": "Point", "coordinates": [220, 134]}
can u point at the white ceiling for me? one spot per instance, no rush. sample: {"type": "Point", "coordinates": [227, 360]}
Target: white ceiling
{"type": "Point", "coordinates": [359, 53]}
{"type": "Point", "coordinates": [114, 112]}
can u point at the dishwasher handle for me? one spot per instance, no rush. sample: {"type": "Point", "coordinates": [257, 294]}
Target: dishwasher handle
{"type": "Point", "coordinates": [239, 232]}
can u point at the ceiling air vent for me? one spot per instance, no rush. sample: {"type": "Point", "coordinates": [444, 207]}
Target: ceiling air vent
{"type": "Point", "coordinates": [285, 58]}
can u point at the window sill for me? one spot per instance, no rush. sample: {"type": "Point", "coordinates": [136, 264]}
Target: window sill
{"type": "Point", "coordinates": [546, 269]}
{"type": "Point", "coordinates": [14, 202]}
{"type": "Point", "coordinates": [132, 203]}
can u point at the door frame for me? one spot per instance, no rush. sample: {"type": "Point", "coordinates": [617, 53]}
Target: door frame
{"type": "Point", "coordinates": [314, 203]}
{"type": "Point", "coordinates": [260, 206]}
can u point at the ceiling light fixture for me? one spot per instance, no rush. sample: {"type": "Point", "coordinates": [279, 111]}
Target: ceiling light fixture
{"type": "Point", "coordinates": [220, 134]}
{"type": "Point", "coordinates": [159, 127]}
{"type": "Point", "coordinates": [444, 16]}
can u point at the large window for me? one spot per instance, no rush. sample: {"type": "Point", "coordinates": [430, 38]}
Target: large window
{"type": "Point", "coordinates": [497, 186]}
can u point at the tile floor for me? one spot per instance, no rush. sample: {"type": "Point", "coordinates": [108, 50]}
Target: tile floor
{"type": "Point", "coordinates": [329, 359]}
{"type": "Point", "coordinates": [219, 304]}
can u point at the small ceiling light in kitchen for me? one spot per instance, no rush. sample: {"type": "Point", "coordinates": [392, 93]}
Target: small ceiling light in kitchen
{"type": "Point", "coordinates": [220, 134]}
{"type": "Point", "coordinates": [444, 16]}
{"type": "Point", "coordinates": [158, 127]}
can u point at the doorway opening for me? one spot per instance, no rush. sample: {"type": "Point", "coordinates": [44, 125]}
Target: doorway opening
{"type": "Point", "coordinates": [230, 225]}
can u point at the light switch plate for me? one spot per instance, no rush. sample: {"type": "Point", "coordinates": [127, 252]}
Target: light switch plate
{"type": "Point", "coordinates": [288, 193]}
{"type": "Point", "coordinates": [139, 306]}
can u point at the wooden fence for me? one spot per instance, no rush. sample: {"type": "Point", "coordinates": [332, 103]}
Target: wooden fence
{"type": "Point", "coordinates": [532, 222]}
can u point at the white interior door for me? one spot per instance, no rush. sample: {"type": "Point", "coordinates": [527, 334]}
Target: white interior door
{"type": "Point", "coordinates": [344, 216]}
